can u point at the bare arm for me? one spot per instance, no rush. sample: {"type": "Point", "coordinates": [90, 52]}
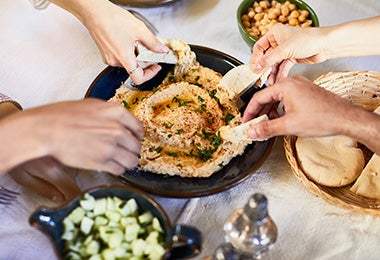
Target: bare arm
{"type": "Point", "coordinates": [312, 111]}
{"type": "Point", "coordinates": [280, 47]}
{"type": "Point", "coordinates": [89, 134]}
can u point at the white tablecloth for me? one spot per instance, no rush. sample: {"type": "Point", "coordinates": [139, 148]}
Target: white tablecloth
{"type": "Point", "coordinates": [48, 56]}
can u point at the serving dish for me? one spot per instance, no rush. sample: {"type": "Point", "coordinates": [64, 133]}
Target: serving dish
{"type": "Point", "coordinates": [235, 172]}
{"type": "Point", "coordinates": [144, 3]}
{"type": "Point", "coordinates": [182, 241]}
{"type": "Point", "coordinates": [361, 88]}
{"type": "Point", "coordinates": [245, 4]}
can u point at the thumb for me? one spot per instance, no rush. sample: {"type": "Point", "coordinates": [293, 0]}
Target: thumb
{"type": "Point", "coordinates": [267, 129]}
{"type": "Point", "coordinates": [155, 45]}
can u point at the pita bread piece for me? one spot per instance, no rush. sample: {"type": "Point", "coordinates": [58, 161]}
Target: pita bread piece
{"type": "Point", "coordinates": [332, 161]}
{"type": "Point", "coordinates": [368, 183]}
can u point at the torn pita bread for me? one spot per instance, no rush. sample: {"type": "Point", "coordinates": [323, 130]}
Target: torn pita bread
{"type": "Point", "coordinates": [241, 78]}
{"type": "Point", "coordinates": [332, 161]}
{"type": "Point", "coordinates": [368, 183]}
{"type": "Point", "coordinates": [146, 55]}
{"type": "Point", "coordinates": [239, 134]}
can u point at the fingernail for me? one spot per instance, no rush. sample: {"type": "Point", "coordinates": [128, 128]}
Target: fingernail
{"type": "Point", "coordinates": [258, 67]}
{"type": "Point", "coordinates": [164, 48]}
{"type": "Point", "coordinates": [252, 133]}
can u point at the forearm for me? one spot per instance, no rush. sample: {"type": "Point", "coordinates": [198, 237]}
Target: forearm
{"type": "Point", "coordinates": [364, 127]}
{"type": "Point", "coordinates": [82, 9]}
{"type": "Point", "coordinates": [352, 39]}
{"type": "Point", "coordinates": [18, 140]}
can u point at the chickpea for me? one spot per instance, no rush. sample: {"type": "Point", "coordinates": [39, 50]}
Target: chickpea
{"type": "Point", "coordinates": [305, 13]}
{"type": "Point", "coordinates": [294, 14]}
{"type": "Point", "coordinates": [272, 15]}
{"type": "Point", "coordinates": [264, 4]}
{"type": "Point", "coordinates": [246, 24]}
{"type": "Point", "coordinates": [282, 19]}
{"type": "Point", "coordinates": [259, 9]}
{"type": "Point", "coordinates": [264, 14]}
{"type": "Point", "coordinates": [285, 10]}
{"type": "Point", "coordinates": [259, 17]}
{"type": "Point", "coordinates": [292, 7]}
{"type": "Point", "coordinates": [277, 11]}
{"type": "Point", "coordinates": [302, 18]}
{"type": "Point", "coordinates": [245, 17]}
{"type": "Point", "coordinates": [307, 23]}
{"type": "Point", "coordinates": [251, 14]}
{"type": "Point", "coordinates": [293, 22]}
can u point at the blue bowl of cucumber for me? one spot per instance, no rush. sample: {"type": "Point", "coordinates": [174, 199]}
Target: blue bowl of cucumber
{"type": "Point", "coordinates": [116, 222]}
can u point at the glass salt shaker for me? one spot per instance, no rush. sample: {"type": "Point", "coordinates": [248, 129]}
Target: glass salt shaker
{"type": "Point", "coordinates": [250, 231]}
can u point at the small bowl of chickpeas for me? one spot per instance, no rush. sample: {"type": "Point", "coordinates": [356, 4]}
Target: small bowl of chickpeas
{"type": "Point", "coordinates": [256, 17]}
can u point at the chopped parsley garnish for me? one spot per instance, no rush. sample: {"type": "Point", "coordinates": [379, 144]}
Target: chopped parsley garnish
{"type": "Point", "coordinates": [228, 117]}
{"type": "Point", "coordinates": [126, 105]}
{"type": "Point", "coordinates": [172, 154]}
{"type": "Point", "coordinates": [180, 131]}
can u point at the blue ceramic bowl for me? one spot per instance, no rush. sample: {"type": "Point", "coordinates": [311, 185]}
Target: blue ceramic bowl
{"type": "Point", "coordinates": [181, 241]}
{"type": "Point", "coordinates": [245, 4]}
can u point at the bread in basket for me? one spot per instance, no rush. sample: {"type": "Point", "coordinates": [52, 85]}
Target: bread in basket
{"type": "Point", "coordinates": [361, 88]}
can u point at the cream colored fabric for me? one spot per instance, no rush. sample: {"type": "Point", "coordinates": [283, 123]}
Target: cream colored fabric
{"type": "Point", "coordinates": [48, 56]}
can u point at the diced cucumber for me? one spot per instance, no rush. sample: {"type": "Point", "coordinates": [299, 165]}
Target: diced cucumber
{"type": "Point", "coordinates": [152, 238]}
{"type": "Point", "coordinates": [138, 247]}
{"type": "Point", "coordinates": [108, 254]}
{"type": "Point", "coordinates": [93, 248]}
{"type": "Point", "coordinates": [100, 221]}
{"type": "Point", "coordinates": [125, 221]}
{"type": "Point", "coordinates": [156, 225]}
{"type": "Point", "coordinates": [146, 217]}
{"type": "Point", "coordinates": [113, 216]}
{"type": "Point", "coordinates": [88, 202]}
{"type": "Point", "coordinates": [86, 225]}
{"type": "Point", "coordinates": [112, 228]}
{"type": "Point", "coordinates": [100, 206]}
{"type": "Point", "coordinates": [132, 232]}
{"type": "Point", "coordinates": [132, 204]}
{"type": "Point", "coordinates": [77, 214]}
{"type": "Point", "coordinates": [68, 224]}
{"type": "Point", "coordinates": [95, 257]}
{"type": "Point", "coordinates": [68, 235]}
{"type": "Point", "coordinates": [115, 239]}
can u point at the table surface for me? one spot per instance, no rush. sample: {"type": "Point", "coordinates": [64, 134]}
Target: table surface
{"type": "Point", "coordinates": [48, 56]}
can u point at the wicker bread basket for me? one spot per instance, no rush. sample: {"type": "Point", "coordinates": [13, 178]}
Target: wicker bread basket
{"type": "Point", "coordinates": [361, 88]}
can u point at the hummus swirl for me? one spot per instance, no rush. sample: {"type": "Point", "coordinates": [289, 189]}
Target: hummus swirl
{"type": "Point", "coordinates": [182, 119]}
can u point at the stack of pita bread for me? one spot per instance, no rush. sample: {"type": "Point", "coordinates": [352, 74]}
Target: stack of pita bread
{"type": "Point", "coordinates": [336, 161]}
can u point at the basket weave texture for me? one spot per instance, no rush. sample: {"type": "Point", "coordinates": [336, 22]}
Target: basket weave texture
{"type": "Point", "coordinates": [361, 88]}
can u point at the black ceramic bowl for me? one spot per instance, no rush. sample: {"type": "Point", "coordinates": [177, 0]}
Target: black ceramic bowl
{"type": "Point", "coordinates": [245, 4]}
{"type": "Point", "coordinates": [240, 167]}
{"type": "Point", "coordinates": [181, 241]}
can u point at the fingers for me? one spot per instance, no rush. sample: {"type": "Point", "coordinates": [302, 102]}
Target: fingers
{"type": "Point", "coordinates": [261, 99]}
{"type": "Point", "coordinates": [267, 129]}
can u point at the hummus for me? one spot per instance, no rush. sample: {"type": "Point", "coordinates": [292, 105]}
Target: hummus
{"type": "Point", "coordinates": [182, 118]}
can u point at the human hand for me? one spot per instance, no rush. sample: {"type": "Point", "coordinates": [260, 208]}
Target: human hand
{"type": "Point", "coordinates": [283, 46]}
{"type": "Point", "coordinates": [309, 110]}
{"type": "Point", "coordinates": [116, 32]}
{"type": "Point", "coordinates": [47, 177]}
{"type": "Point", "coordinates": [89, 134]}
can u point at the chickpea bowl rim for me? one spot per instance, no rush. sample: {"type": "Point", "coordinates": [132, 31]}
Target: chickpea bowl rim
{"type": "Point", "coordinates": [245, 4]}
